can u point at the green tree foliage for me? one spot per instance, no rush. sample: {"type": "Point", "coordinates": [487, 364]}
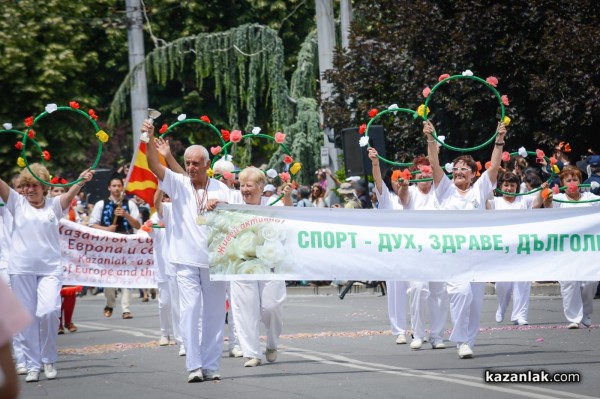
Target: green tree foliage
{"type": "Point", "coordinates": [546, 55]}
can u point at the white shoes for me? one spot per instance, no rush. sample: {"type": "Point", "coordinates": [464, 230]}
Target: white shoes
{"type": "Point", "coordinates": [32, 376]}
{"type": "Point", "coordinates": [163, 341]}
{"type": "Point", "coordinates": [252, 362]}
{"type": "Point", "coordinates": [196, 376]}
{"type": "Point", "coordinates": [211, 375]}
{"type": "Point", "coordinates": [236, 351]}
{"type": "Point", "coordinates": [181, 350]}
{"type": "Point", "coordinates": [573, 326]}
{"type": "Point", "coordinates": [586, 321]}
{"type": "Point", "coordinates": [499, 316]}
{"type": "Point", "coordinates": [416, 343]}
{"type": "Point", "coordinates": [401, 339]}
{"type": "Point", "coordinates": [49, 371]}
{"type": "Point", "coordinates": [465, 351]}
{"type": "Point", "coordinates": [271, 355]}
{"type": "Point", "coordinates": [521, 322]}
{"type": "Point", "coordinates": [437, 344]}
{"type": "Point", "coordinates": [21, 370]}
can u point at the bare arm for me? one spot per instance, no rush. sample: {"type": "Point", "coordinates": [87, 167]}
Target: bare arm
{"type": "Point", "coordinates": [287, 195]}
{"type": "Point", "coordinates": [432, 153]}
{"type": "Point", "coordinates": [67, 198]}
{"type": "Point", "coordinates": [151, 152]}
{"type": "Point", "coordinates": [497, 153]}
{"type": "Point", "coordinates": [9, 389]}
{"type": "Point", "coordinates": [333, 177]}
{"type": "Point", "coordinates": [376, 171]}
{"type": "Point", "coordinates": [4, 190]}
{"type": "Point", "coordinates": [163, 148]}
{"type": "Point", "coordinates": [158, 197]}
{"type": "Point", "coordinates": [403, 196]}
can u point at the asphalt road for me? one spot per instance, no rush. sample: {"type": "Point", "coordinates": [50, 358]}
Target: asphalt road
{"type": "Point", "coordinates": [331, 348]}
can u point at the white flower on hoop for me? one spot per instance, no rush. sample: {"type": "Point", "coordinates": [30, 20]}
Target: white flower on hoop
{"type": "Point", "coordinates": [255, 130]}
{"type": "Point", "coordinates": [522, 152]}
{"type": "Point", "coordinates": [468, 72]}
{"type": "Point", "coordinates": [364, 140]}
{"type": "Point", "coordinates": [181, 117]}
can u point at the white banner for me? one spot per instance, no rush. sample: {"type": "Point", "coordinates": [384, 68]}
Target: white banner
{"type": "Point", "coordinates": [98, 258]}
{"type": "Point", "coordinates": [285, 243]}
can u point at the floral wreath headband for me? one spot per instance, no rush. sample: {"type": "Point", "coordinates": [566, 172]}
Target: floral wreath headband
{"type": "Point", "coordinates": [30, 122]}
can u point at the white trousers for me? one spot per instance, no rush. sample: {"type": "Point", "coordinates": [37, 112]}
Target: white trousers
{"type": "Point", "coordinates": [520, 291]}
{"type": "Point", "coordinates": [396, 301]}
{"type": "Point", "coordinates": [253, 302]}
{"type": "Point", "coordinates": [578, 297]}
{"type": "Point", "coordinates": [233, 340]}
{"type": "Point", "coordinates": [466, 300]}
{"type": "Point", "coordinates": [432, 296]}
{"type": "Point", "coordinates": [175, 308]}
{"type": "Point", "coordinates": [202, 301]}
{"type": "Point", "coordinates": [165, 302]}
{"type": "Point", "coordinates": [40, 295]}
{"type": "Point", "coordinates": [109, 293]}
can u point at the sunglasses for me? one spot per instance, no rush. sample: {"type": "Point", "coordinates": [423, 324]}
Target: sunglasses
{"type": "Point", "coordinates": [461, 169]}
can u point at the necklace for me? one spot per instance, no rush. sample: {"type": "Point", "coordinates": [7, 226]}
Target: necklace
{"type": "Point", "coordinates": [201, 202]}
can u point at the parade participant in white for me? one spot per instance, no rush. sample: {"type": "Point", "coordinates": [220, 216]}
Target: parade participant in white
{"type": "Point", "coordinates": [396, 290]}
{"type": "Point", "coordinates": [461, 194]}
{"type": "Point", "coordinates": [577, 296]}
{"type": "Point", "coordinates": [259, 300]}
{"type": "Point", "coordinates": [34, 266]}
{"type": "Point", "coordinates": [200, 299]}
{"type": "Point", "coordinates": [423, 294]}
{"type": "Point", "coordinates": [519, 290]}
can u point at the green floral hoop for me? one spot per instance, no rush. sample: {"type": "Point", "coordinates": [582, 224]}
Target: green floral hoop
{"type": "Point", "coordinates": [535, 190]}
{"type": "Point", "coordinates": [223, 152]}
{"type": "Point", "coordinates": [379, 115]}
{"type": "Point", "coordinates": [14, 131]}
{"type": "Point", "coordinates": [101, 135]}
{"type": "Point", "coordinates": [205, 122]}
{"type": "Point", "coordinates": [425, 110]}
{"type": "Point", "coordinates": [578, 201]}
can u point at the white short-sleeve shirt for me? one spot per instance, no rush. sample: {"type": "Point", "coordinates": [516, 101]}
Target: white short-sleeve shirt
{"type": "Point", "coordinates": [586, 195]}
{"type": "Point", "coordinates": [7, 227]}
{"type": "Point", "coordinates": [387, 199]}
{"type": "Point", "coordinates": [520, 202]}
{"type": "Point", "coordinates": [188, 240]}
{"type": "Point", "coordinates": [421, 201]}
{"type": "Point", "coordinates": [159, 241]}
{"type": "Point", "coordinates": [474, 200]}
{"type": "Point", "coordinates": [35, 243]}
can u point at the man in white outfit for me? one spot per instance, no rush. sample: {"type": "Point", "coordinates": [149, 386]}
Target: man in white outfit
{"type": "Point", "coordinates": [193, 195]}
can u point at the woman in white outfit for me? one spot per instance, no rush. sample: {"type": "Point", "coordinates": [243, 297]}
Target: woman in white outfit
{"type": "Point", "coordinates": [460, 193]}
{"type": "Point", "coordinates": [34, 267]}
{"type": "Point", "coordinates": [577, 296]}
{"type": "Point", "coordinates": [423, 294]}
{"type": "Point", "coordinates": [519, 290]}
{"type": "Point", "coordinates": [256, 301]}
{"type": "Point", "coordinates": [396, 290]}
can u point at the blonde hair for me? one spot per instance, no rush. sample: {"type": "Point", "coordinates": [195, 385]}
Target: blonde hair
{"type": "Point", "coordinates": [254, 174]}
{"type": "Point", "coordinates": [25, 177]}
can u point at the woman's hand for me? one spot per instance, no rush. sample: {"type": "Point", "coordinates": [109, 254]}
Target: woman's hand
{"type": "Point", "coordinates": [501, 132]}
{"type": "Point", "coordinates": [428, 128]}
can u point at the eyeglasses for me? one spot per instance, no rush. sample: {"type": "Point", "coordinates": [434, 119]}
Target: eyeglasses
{"type": "Point", "coordinates": [460, 169]}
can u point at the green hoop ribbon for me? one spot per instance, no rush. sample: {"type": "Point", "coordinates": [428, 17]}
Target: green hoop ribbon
{"type": "Point", "coordinates": [578, 201]}
{"type": "Point", "coordinates": [96, 161]}
{"type": "Point", "coordinates": [433, 90]}
{"type": "Point", "coordinates": [380, 114]}
{"type": "Point", "coordinates": [194, 120]}
{"type": "Point", "coordinates": [252, 135]}
{"type": "Point", "coordinates": [14, 131]}
{"type": "Point", "coordinates": [535, 190]}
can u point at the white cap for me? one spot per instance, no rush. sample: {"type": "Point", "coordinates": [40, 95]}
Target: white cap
{"type": "Point", "coordinates": [269, 187]}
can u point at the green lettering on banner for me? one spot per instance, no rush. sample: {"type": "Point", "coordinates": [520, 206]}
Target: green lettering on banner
{"type": "Point", "coordinates": [523, 244]}
{"type": "Point", "coordinates": [538, 244]}
{"type": "Point", "coordinates": [409, 241]}
{"type": "Point", "coordinates": [552, 243]}
{"type": "Point", "coordinates": [588, 243]}
{"type": "Point", "coordinates": [561, 244]}
{"type": "Point", "coordinates": [352, 238]}
{"type": "Point", "coordinates": [473, 243]}
{"type": "Point", "coordinates": [384, 242]}
{"type": "Point", "coordinates": [315, 239]}
{"type": "Point", "coordinates": [303, 241]}
{"type": "Point", "coordinates": [486, 242]}
{"type": "Point", "coordinates": [436, 242]}
{"type": "Point", "coordinates": [448, 243]}
{"type": "Point", "coordinates": [460, 240]}
{"type": "Point", "coordinates": [328, 239]}
{"type": "Point", "coordinates": [575, 243]}
{"type": "Point", "coordinates": [497, 242]}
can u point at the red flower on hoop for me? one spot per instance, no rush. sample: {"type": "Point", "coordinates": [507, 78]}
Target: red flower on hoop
{"type": "Point", "coordinates": [58, 180]}
{"type": "Point", "coordinates": [74, 104]}
{"type": "Point", "coordinates": [443, 76]}
{"type": "Point", "coordinates": [228, 175]}
{"type": "Point", "coordinates": [425, 169]}
{"type": "Point", "coordinates": [19, 145]}
{"type": "Point", "coordinates": [552, 161]}
{"type": "Point", "coordinates": [92, 114]}
{"type": "Point", "coordinates": [29, 121]}
{"type": "Point", "coordinates": [401, 175]}
{"type": "Point", "coordinates": [505, 156]}
{"type": "Point", "coordinates": [46, 155]}
{"type": "Point", "coordinates": [279, 137]}
{"type": "Point", "coordinates": [373, 112]}
{"type": "Point", "coordinates": [546, 194]}
{"type": "Point", "coordinates": [287, 160]}
{"type": "Point", "coordinates": [426, 92]}
{"type": "Point", "coordinates": [215, 150]}
{"type": "Point", "coordinates": [163, 128]}
{"type": "Point", "coordinates": [225, 134]}
{"type": "Point", "coordinates": [555, 189]}
{"type": "Point", "coordinates": [362, 129]}
{"type": "Point", "coordinates": [285, 177]}
{"type": "Point", "coordinates": [478, 166]}
{"type": "Point", "coordinates": [572, 188]}
{"type": "Point", "coordinates": [504, 99]}
{"type": "Point", "coordinates": [492, 81]}
{"type": "Point", "coordinates": [235, 136]}
{"type": "Point", "coordinates": [205, 119]}
{"type": "Point", "coordinates": [31, 133]}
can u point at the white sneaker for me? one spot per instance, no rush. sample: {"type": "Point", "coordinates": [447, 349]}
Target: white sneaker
{"type": "Point", "coordinates": [181, 350]}
{"type": "Point", "coordinates": [465, 351]}
{"type": "Point", "coordinates": [271, 355]}
{"type": "Point", "coordinates": [573, 326]}
{"type": "Point", "coordinates": [236, 351]}
{"type": "Point", "coordinates": [586, 321]}
{"type": "Point", "coordinates": [401, 339]}
{"type": "Point", "coordinates": [32, 376]}
{"type": "Point", "coordinates": [21, 370]}
{"type": "Point", "coordinates": [416, 343]}
{"type": "Point", "coordinates": [50, 371]}
{"type": "Point", "coordinates": [437, 344]}
{"type": "Point", "coordinates": [252, 362]}
{"type": "Point", "coordinates": [499, 317]}
{"type": "Point", "coordinates": [196, 376]}
{"type": "Point", "coordinates": [521, 322]}
{"type": "Point", "coordinates": [211, 375]}
{"type": "Point", "coordinates": [163, 341]}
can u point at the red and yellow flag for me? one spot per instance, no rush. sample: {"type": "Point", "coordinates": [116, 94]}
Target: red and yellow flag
{"type": "Point", "coordinates": [141, 181]}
